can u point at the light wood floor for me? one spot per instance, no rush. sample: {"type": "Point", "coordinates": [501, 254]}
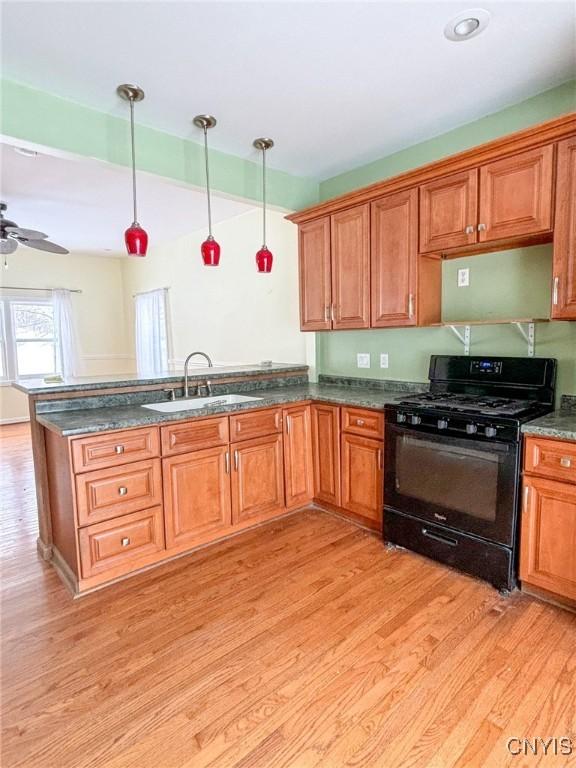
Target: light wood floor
{"type": "Point", "coordinates": [303, 643]}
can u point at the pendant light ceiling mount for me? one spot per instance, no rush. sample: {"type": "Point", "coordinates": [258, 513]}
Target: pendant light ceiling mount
{"type": "Point", "coordinates": [209, 249]}
{"type": "Point", "coordinates": [264, 256]}
{"type": "Point", "coordinates": [135, 237]}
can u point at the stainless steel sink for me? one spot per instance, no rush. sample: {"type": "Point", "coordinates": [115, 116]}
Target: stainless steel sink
{"type": "Point", "coordinates": [199, 402]}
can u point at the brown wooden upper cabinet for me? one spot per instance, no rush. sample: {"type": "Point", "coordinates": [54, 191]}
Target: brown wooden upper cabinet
{"type": "Point", "coordinates": [315, 275]}
{"type": "Point", "coordinates": [564, 286]}
{"type": "Point", "coordinates": [449, 212]}
{"type": "Point", "coordinates": [350, 240]}
{"type": "Point", "coordinates": [506, 199]}
{"type": "Point", "coordinates": [394, 259]}
{"type": "Point", "coordinates": [516, 195]}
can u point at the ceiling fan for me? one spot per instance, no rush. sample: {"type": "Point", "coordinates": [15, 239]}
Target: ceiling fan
{"type": "Point", "coordinates": [11, 235]}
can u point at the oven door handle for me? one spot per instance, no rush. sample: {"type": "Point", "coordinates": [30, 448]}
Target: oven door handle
{"type": "Point", "coordinates": [439, 538]}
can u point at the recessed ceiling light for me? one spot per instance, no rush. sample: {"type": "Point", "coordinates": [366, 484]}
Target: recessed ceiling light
{"type": "Point", "coordinates": [467, 24]}
{"type": "Point", "coordinates": [25, 152]}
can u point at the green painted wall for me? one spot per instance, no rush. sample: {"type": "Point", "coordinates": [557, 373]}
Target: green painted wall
{"type": "Point", "coordinates": [544, 106]}
{"type": "Point", "coordinates": [508, 284]}
{"type": "Point", "coordinates": [42, 118]}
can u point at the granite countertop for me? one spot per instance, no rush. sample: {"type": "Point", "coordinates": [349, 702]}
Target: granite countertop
{"type": "Point", "coordinates": [560, 424]}
{"type": "Point", "coordinates": [41, 387]}
{"type": "Point", "coordinates": [88, 420]}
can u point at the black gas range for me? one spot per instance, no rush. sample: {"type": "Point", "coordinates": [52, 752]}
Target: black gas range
{"type": "Point", "coordinates": [452, 468]}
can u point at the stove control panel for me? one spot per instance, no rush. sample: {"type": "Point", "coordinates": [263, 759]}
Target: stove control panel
{"type": "Point", "coordinates": [487, 367]}
{"type": "Point", "coordinates": [452, 424]}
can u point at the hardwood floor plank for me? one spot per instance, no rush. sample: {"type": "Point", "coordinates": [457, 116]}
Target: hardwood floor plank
{"type": "Point", "coordinates": [301, 644]}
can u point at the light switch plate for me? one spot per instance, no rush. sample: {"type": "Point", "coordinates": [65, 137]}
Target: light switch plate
{"type": "Point", "coordinates": [363, 360]}
{"type": "Point", "coordinates": [464, 277]}
{"type": "Point", "coordinates": [384, 360]}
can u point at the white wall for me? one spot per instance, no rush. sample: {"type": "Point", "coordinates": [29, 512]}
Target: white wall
{"type": "Point", "coordinates": [99, 309]}
{"type": "Point", "coordinates": [231, 312]}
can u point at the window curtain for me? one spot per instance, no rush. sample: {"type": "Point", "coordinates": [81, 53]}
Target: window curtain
{"type": "Point", "coordinates": [152, 332]}
{"type": "Point", "coordinates": [65, 332]}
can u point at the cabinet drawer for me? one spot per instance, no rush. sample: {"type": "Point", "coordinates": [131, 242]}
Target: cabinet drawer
{"type": "Point", "coordinates": [194, 435]}
{"type": "Point", "coordinates": [109, 450]}
{"type": "Point", "coordinates": [121, 545]}
{"type": "Point", "coordinates": [108, 493]}
{"type": "Point", "coordinates": [363, 422]}
{"type": "Point", "coordinates": [244, 426]}
{"type": "Point", "coordinates": [555, 459]}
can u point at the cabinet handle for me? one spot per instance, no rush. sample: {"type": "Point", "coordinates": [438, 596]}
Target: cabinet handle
{"type": "Point", "coordinates": [236, 460]}
{"type": "Point", "coordinates": [379, 458]}
{"type": "Point", "coordinates": [555, 291]}
{"type": "Point", "coordinates": [566, 462]}
{"type": "Point", "coordinates": [481, 227]}
{"type": "Point", "coordinates": [526, 497]}
{"type": "Point", "coordinates": [227, 460]}
{"type": "Point", "coordinates": [360, 422]}
{"type": "Point", "coordinates": [287, 424]}
{"type": "Point", "coordinates": [119, 449]}
{"type": "Point", "coordinates": [125, 541]}
{"type": "Point", "coordinates": [469, 229]}
{"type": "Point", "coordinates": [332, 311]}
{"type": "Point", "coordinates": [327, 312]}
{"type": "Point", "coordinates": [411, 306]}
{"type": "Point", "coordinates": [122, 490]}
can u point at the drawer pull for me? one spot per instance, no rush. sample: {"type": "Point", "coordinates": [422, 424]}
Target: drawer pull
{"type": "Point", "coordinates": [566, 462]}
{"type": "Point", "coordinates": [122, 490]}
{"type": "Point", "coordinates": [360, 422]}
{"type": "Point", "coordinates": [119, 449]}
{"type": "Point", "coordinates": [439, 538]}
{"type": "Point", "coordinates": [125, 541]}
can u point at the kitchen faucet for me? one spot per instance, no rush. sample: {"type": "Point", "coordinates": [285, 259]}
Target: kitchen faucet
{"type": "Point", "coordinates": [207, 383]}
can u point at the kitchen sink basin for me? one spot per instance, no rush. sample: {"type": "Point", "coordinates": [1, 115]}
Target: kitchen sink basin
{"type": "Point", "coordinates": [193, 404]}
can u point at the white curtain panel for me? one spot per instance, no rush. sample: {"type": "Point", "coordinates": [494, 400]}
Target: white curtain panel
{"type": "Point", "coordinates": [152, 334]}
{"type": "Point", "coordinates": [65, 331]}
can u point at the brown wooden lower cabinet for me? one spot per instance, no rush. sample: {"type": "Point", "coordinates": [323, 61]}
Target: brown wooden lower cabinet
{"type": "Point", "coordinates": [298, 471]}
{"type": "Point", "coordinates": [257, 479]}
{"type": "Point", "coordinates": [326, 453]}
{"type": "Point", "coordinates": [197, 498]}
{"type": "Point", "coordinates": [362, 476]}
{"type": "Point", "coordinates": [548, 536]}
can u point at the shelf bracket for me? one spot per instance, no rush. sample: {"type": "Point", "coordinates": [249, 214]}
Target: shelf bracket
{"type": "Point", "coordinates": [528, 333]}
{"type": "Point", "coordinates": [463, 336]}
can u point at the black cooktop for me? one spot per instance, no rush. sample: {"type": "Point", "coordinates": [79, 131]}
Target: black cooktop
{"type": "Point", "coordinates": [474, 404]}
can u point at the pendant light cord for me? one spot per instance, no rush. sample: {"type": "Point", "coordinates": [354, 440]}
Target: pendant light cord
{"type": "Point", "coordinates": [264, 197]}
{"type": "Point", "coordinates": [133, 159]}
{"type": "Point", "coordinates": [207, 181]}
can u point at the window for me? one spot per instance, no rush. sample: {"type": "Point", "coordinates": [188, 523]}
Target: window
{"type": "Point", "coordinates": [27, 339]}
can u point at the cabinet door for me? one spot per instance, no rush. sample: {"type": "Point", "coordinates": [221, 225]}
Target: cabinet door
{"type": "Point", "coordinates": [350, 238]}
{"type": "Point", "coordinates": [363, 476]}
{"type": "Point", "coordinates": [516, 195]}
{"type": "Point", "coordinates": [448, 212]}
{"type": "Point", "coordinates": [257, 479]}
{"type": "Point", "coordinates": [326, 453]}
{"type": "Point", "coordinates": [315, 280]}
{"type": "Point", "coordinates": [564, 288]}
{"type": "Point", "coordinates": [196, 496]}
{"type": "Point", "coordinates": [298, 473]}
{"type": "Point", "coordinates": [548, 536]}
{"type": "Point", "coordinates": [394, 259]}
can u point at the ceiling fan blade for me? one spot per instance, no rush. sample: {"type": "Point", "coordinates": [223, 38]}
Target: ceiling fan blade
{"type": "Point", "coordinates": [43, 245]}
{"type": "Point", "coordinates": [29, 234]}
{"type": "Point", "coordinates": [7, 245]}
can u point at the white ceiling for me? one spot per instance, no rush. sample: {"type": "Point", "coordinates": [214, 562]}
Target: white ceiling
{"type": "Point", "coordinates": [336, 84]}
{"type": "Point", "coordinates": [86, 205]}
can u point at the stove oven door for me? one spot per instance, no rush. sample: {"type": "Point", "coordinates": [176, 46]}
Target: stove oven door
{"type": "Point", "coordinates": [466, 484]}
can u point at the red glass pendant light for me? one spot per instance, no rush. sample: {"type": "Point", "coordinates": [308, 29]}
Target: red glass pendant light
{"type": "Point", "coordinates": [264, 257]}
{"type": "Point", "coordinates": [135, 237]}
{"type": "Point", "coordinates": [210, 249]}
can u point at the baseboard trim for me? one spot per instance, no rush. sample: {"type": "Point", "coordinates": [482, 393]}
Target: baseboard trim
{"type": "Point", "coordinates": [17, 420]}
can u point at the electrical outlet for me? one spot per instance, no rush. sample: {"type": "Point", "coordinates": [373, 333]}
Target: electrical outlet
{"type": "Point", "coordinates": [384, 360]}
{"type": "Point", "coordinates": [463, 277]}
{"type": "Point", "coordinates": [363, 360]}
